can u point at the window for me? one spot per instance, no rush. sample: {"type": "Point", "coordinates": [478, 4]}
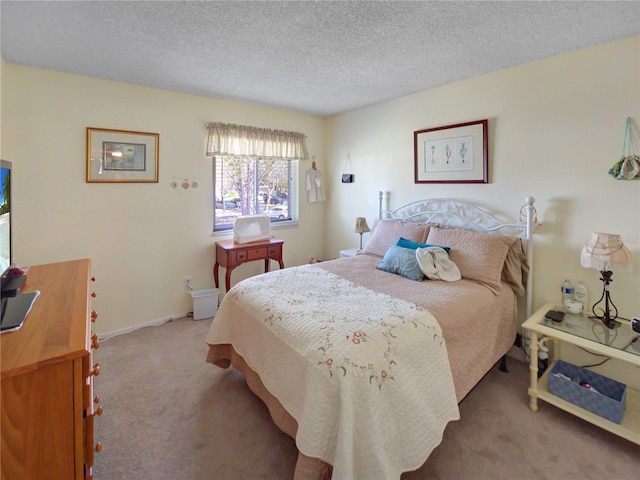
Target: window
{"type": "Point", "coordinates": [246, 186]}
{"type": "Point", "coordinates": [255, 171]}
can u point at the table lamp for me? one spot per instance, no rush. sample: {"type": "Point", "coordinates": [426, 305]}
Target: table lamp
{"type": "Point", "coordinates": [602, 252]}
{"type": "Point", "coordinates": [361, 227]}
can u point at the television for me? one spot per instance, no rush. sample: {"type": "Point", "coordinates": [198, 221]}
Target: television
{"type": "Point", "coordinates": [6, 258]}
{"type": "Point", "coordinates": [12, 277]}
{"type": "Point", "coordinates": [15, 306]}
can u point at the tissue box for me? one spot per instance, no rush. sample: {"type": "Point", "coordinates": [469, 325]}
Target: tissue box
{"type": "Point", "coordinates": [609, 403]}
{"type": "Point", "coordinates": [251, 228]}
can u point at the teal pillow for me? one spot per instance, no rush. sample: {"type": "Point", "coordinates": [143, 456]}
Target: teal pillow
{"type": "Point", "coordinates": [403, 242]}
{"type": "Point", "coordinates": [402, 261]}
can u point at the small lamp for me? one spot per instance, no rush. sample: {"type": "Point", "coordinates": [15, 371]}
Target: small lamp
{"type": "Point", "coordinates": [361, 227]}
{"type": "Point", "coordinates": [602, 252]}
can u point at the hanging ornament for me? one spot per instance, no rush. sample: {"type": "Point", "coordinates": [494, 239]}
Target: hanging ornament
{"type": "Point", "coordinates": [628, 167]}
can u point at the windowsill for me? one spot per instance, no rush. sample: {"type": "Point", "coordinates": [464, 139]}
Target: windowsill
{"type": "Point", "coordinates": [274, 226]}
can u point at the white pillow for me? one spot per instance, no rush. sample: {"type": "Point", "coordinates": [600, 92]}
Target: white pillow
{"type": "Point", "coordinates": [436, 265]}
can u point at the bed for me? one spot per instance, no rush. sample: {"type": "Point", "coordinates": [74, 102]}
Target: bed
{"type": "Point", "coordinates": [363, 360]}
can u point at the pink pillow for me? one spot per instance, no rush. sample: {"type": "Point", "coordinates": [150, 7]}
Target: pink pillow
{"type": "Point", "coordinates": [388, 232]}
{"type": "Point", "coordinates": [479, 256]}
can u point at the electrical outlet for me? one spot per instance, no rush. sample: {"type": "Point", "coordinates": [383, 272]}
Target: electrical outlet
{"type": "Point", "coordinates": [186, 283]}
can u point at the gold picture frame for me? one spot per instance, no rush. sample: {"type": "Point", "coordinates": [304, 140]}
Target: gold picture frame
{"type": "Point", "coordinates": [122, 156]}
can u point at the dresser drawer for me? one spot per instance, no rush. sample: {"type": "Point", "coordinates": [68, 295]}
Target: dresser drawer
{"type": "Point", "coordinates": [88, 446]}
{"type": "Point", "coordinates": [257, 253]}
{"type": "Point", "coordinates": [240, 257]}
{"type": "Point", "coordinates": [87, 384]}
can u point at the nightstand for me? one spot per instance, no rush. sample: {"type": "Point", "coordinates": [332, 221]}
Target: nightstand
{"type": "Point", "coordinates": [350, 252]}
{"type": "Point", "coordinates": [592, 335]}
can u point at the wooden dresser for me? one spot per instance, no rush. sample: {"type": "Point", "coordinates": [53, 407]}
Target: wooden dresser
{"type": "Point", "coordinates": [47, 379]}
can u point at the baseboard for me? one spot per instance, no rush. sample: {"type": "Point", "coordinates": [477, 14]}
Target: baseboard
{"type": "Point", "coordinates": [153, 323]}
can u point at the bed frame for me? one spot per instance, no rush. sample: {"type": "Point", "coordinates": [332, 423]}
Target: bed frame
{"type": "Point", "coordinates": [455, 213]}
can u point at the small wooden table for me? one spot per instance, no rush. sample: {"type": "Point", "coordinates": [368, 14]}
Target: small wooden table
{"type": "Point", "coordinates": [230, 254]}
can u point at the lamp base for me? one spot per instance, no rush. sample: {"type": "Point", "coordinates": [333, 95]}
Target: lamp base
{"type": "Point", "coordinates": [609, 323]}
{"type": "Point", "coordinates": [610, 312]}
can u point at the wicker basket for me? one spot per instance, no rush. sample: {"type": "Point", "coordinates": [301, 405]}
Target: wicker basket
{"type": "Point", "coordinates": [608, 403]}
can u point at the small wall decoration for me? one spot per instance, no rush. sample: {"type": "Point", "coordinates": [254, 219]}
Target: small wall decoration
{"type": "Point", "coordinates": [183, 183]}
{"type": "Point", "coordinates": [628, 167]}
{"type": "Point", "coordinates": [452, 154]}
{"type": "Point", "coordinates": [347, 176]}
{"type": "Point", "coordinates": [315, 191]}
{"type": "Point", "coordinates": [122, 156]}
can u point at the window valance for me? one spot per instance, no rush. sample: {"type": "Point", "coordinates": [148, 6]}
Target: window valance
{"type": "Point", "coordinates": [228, 140]}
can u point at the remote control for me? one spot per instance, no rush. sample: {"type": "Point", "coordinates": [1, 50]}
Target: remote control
{"type": "Point", "coordinates": [555, 315]}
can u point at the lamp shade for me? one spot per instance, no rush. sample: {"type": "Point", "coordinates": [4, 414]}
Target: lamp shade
{"type": "Point", "coordinates": [603, 251]}
{"type": "Point", "coordinates": [361, 225]}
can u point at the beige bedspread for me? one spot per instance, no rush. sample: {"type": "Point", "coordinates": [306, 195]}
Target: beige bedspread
{"type": "Point", "coordinates": [370, 435]}
{"type": "Point", "coordinates": [478, 326]}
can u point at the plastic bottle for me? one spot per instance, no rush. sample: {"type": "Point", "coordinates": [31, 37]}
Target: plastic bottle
{"type": "Point", "coordinates": [582, 295]}
{"type": "Point", "coordinates": [567, 291]}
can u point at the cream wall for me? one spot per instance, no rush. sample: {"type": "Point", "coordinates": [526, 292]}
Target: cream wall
{"type": "Point", "coordinates": [142, 238]}
{"type": "Point", "coordinates": [555, 128]}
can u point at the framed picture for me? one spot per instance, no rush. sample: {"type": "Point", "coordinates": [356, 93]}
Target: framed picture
{"type": "Point", "coordinates": [122, 156]}
{"type": "Point", "coordinates": [452, 154]}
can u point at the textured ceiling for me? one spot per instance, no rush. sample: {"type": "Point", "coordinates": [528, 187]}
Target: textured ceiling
{"type": "Point", "coordinates": [317, 57]}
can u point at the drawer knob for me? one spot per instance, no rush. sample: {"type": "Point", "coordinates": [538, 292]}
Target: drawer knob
{"type": "Point", "coordinates": [93, 279]}
{"type": "Point", "coordinates": [95, 343]}
{"type": "Point", "coordinates": [98, 447]}
{"type": "Point", "coordinates": [94, 294]}
{"type": "Point", "coordinates": [94, 316]}
{"type": "Point", "coordinates": [99, 410]}
{"type": "Point", "coordinates": [96, 370]}
{"type": "Point", "coordinates": [96, 399]}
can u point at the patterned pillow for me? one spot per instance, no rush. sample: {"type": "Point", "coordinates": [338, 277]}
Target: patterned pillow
{"type": "Point", "coordinates": [401, 261]}
{"type": "Point", "coordinates": [387, 233]}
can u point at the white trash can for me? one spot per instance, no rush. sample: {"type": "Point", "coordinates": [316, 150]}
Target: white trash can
{"type": "Point", "coordinates": [205, 303]}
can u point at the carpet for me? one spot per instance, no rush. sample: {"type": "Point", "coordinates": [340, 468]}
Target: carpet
{"type": "Point", "coordinates": [168, 415]}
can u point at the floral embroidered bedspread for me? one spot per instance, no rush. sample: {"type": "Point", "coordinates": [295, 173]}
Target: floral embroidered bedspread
{"type": "Point", "coordinates": [365, 375]}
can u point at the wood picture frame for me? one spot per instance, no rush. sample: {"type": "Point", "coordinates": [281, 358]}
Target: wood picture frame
{"type": "Point", "coordinates": [122, 156]}
{"type": "Point", "coordinates": [452, 153]}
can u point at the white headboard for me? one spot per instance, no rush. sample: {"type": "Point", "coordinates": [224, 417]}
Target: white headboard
{"type": "Point", "coordinates": [455, 213]}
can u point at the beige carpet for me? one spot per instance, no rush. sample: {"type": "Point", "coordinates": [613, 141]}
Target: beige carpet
{"type": "Point", "coordinates": [168, 415]}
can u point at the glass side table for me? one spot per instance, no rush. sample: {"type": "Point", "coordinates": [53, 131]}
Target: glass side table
{"type": "Point", "coordinates": [579, 330]}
